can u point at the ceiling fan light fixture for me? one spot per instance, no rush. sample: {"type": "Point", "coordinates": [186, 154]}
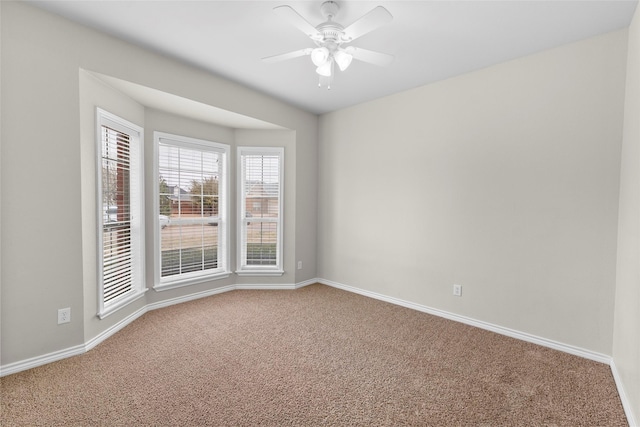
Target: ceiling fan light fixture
{"type": "Point", "coordinates": [329, 38]}
{"type": "Point", "coordinates": [325, 69]}
{"type": "Point", "coordinates": [343, 59]}
{"type": "Point", "coordinates": [319, 56]}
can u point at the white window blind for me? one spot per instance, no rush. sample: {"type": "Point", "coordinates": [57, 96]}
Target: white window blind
{"type": "Point", "coordinates": [116, 173]}
{"type": "Point", "coordinates": [260, 181]}
{"type": "Point", "coordinates": [191, 202]}
{"type": "Point", "coordinates": [120, 207]}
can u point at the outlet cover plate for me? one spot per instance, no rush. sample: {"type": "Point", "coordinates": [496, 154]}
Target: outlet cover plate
{"type": "Point", "coordinates": [64, 315]}
{"type": "Point", "coordinates": [457, 290]}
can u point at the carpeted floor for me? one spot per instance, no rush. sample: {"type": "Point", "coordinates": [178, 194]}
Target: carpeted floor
{"type": "Point", "coordinates": [313, 356]}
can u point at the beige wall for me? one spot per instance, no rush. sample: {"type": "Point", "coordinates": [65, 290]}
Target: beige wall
{"type": "Point", "coordinates": [1, 318]}
{"type": "Point", "coordinates": [48, 197]}
{"type": "Point", "coordinates": [626, 333]}
{"type": "Point", "coordinates": [95, 93]}
{"type": "Point", "coordinates": [41, 217]}
{"type": "Point", "coordinates": [504, 180]}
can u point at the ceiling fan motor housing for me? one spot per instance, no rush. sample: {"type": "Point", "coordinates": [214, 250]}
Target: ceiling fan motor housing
{"type": "Point", "coordinates": [331, 31]}
{"type": "Point", "coordinates": [329, 9]}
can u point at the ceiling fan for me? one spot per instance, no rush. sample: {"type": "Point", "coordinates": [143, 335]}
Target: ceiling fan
{"type": "Point", "coordinates": [331, 39]}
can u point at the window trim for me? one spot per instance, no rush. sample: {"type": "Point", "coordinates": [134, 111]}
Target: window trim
{"type": "Point", "coordinates": [186, 279]}
{"type": "Point", "coordinates": [136, 133]}
{"type": "Point", "coordinates": [259, 270]}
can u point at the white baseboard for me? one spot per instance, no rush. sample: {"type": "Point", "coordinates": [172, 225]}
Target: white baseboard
{"type": "Point", "coordinates": [189, 297]}
{"type": "Point", "coordinates": [289, 287]}
{"type": "Point", "coordinates": [577, 351]}
{"type": "Point", "coordinates": [113, 329]}
{"type": "Point", "coordinates": [266, 287]}
{"type": "Point", "coordinates": [23, 365]}
{"type": "Point", "coordinates": [626, 403]}
{"type": "Point", "coordinates": [33, 362]}
{"type": "Point", "coordinates": [307, 283]}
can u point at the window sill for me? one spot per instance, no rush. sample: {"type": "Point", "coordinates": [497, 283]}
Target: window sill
{"type": "Point", "coordinates": [190, 281]}
{"type": "Point", "coordinates": [260, 272]}
{"type": "Point", "coordinates": [120, 304]}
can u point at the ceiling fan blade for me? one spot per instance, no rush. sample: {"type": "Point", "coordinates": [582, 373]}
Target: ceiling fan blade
{"type": "Point", "coordinates": [376, 18]}
{"type": "Point", "coordinates": [288, 55]}
{"type": "Point", "coordinates": [294, 18]}
{"type": "Point", "coordinates": [370, 56]}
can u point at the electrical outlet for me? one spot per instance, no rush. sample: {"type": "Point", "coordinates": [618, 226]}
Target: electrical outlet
{"type": "Point", "coordinates": [299, 265]}
{"type": "Point", "coordinates": [64, 315]}
{"type": "Point", "coordinates": [457, 290]}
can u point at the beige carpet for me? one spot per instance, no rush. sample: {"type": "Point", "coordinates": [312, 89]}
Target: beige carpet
{"type": "Point", "coordinates": [313, 356]}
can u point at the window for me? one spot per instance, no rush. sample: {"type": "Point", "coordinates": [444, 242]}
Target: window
{"type": "Point", "coordinates": [120, 212]}
{"type": "Point", "coordinates": [260, 211]}
{"type": "Point", "coordinates": [191, 210]}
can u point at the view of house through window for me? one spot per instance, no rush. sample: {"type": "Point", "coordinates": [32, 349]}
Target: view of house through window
{"type": "Point", "coordinates": [191, 200]}
{"type": "Point", "coordinates": [260, 209]}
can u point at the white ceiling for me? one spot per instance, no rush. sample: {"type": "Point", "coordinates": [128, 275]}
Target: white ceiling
{"type": "Point", "coordinates": [431, 40]}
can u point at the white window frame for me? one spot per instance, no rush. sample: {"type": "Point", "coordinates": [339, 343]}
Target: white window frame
{"type": "Point", "coordinates": [258, 270]}
{"type": "Point", "coordinates": [223, 270]}
{"type": "Point", "coordinates": [136, 156]}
